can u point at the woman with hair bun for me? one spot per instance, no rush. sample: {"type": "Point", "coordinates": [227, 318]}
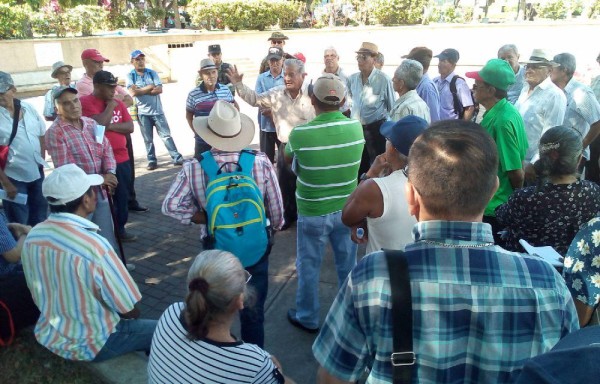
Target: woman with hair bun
{"type": "Point", "coordinates": [193, 341]}
{"type": "Point", "coordinates": [551, 212]}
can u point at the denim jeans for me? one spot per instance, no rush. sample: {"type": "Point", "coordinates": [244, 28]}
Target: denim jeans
{"type": "Point", "coordinates": [121, 195]}
{"type": "Point", "coordinates": [36, 209]}
{"type": "Point", "coordinates": [147, 124]}
{"type": "Point", "coordinates": [130, 335]}
{"type": "Point", "coordinates": [313, 233]}
{"type": "Point", "coordinates": [252, 317]}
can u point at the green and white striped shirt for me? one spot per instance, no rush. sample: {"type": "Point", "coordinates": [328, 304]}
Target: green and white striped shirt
{"type": "Point", "coordinates": [328, 152]}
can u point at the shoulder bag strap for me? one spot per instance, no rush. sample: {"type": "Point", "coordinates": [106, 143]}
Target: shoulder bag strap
{"type": "Point", "coordinates": [16, 116]}
{"type": "Point", "coordinates": [458, 107]}
{"type": "Point", "coordinates": [246, 161]}
{"type": "Point", "coordinates": [403, 356]}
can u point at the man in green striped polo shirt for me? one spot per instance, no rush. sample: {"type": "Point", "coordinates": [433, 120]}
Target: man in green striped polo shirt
{"type": "Point", "coordinates": [325, 155]}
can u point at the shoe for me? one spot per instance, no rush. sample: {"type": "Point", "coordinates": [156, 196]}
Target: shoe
{"type": "Point", "coordinates": [291, 316]}
{"type": "Point", "coordinates": [127, 237]}
{"type": "Point", "coordinates": [130, 267]}
{"type": "Point", "coordinates": [178, 163]}
{"type": "Point", "coordinates": [152, 166]}
{"type": "Point", "coordinates": [138, 208]}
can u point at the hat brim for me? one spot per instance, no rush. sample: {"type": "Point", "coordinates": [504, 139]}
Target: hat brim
{"type": "Point", "coordinates": [278, 38]}
{"type": "Point", "coordinates": [207, 68]}
{"type": "Point", "coordinates": [269, 57]}
{"type": "Point", "coordinates": [546, 63]}
{"type": "Point", "coordinates": [373, 53]}
{"type": "Point", "coordinates": [68, 89]}
{"type": "Point", "coordinates": [95, 179]}
{"type": "Point", "coordinates": [474, 75]}
{"type": "Point", "coordinates": [232, 144]}
{"type": "Point", "coordinates": [53, 75]}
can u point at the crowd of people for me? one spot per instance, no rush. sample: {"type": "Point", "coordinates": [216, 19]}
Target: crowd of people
{"type": "Point", "coordinates": [452, 176]}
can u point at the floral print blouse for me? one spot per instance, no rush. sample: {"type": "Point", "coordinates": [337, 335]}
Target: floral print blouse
{"type": "Point", "coordinates": [582, 264]}
{"type": "Point", "coordinates": [549, 216]}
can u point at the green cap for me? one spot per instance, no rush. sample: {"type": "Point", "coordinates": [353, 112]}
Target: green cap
{"type": "Point", "coordinates": [496, 72]}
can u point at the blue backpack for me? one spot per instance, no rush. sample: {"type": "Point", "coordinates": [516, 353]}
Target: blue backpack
{"type": "Point", "coordinates": [235, 211]}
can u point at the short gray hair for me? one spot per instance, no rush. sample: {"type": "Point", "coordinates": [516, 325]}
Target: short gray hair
{"type": "Point", "coordinates": [509, 47]}
{"type": "Point", "coordinates": [411, 72]}
{"type": "Point", "coordinates": [331, 48]}
{"type": "Point", "coordinates": [567, 62]}
{"type": "Point", "coordinates": [380, 58]}
{"type": "Point", "coordinates": [296, 63]}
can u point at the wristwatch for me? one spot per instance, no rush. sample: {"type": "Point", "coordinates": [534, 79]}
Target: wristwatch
{"type": "Point", "coordinates": [363, 177]}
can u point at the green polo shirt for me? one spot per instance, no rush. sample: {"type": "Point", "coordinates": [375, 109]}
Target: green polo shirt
{"type": "Point", "coordinates": [328, 152]}
{"type": "Point", "coordinates": [504, 123]}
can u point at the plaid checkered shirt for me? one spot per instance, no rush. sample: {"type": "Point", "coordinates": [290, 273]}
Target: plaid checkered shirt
{"type": "Point", "coordinates": [479, 312]}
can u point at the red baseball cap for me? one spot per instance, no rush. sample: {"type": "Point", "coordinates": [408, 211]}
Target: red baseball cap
{"type": "Point", "coordinates": [93, 54]}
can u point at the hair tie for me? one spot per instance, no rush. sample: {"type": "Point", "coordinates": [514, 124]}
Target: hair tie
{"type": "Point", "coordinates": [199, 284]}
{"type": "Point", "coordinates": [548, 147]}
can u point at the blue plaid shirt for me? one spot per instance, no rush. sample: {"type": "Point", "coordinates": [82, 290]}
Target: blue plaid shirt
{"type": "Point", "coordinates": [478, 312]}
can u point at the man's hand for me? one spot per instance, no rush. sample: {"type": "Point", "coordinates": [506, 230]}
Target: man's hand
{"type": "Point", "coordinates": [110, 181]}
{"type": "Point", "coordinates": [233, 75]}
{"type": "Point", "coordinates": [354, 236]}
{"type": "Point", "coordinates": [18, 230]}
{"type": "Point", "coordinates": [112, 103]}
{"type": "Point", "coordinates": [10, 189]}
{"type": "Point", "coordinates": [266, 112]}
{"type": "Point", "coordinates": [198, 218]}
{"type": "Point", "coordinates": [380, 166]}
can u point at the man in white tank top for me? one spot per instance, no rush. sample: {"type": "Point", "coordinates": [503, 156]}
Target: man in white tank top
{"type": "Point", "coordinates": [378, 205]}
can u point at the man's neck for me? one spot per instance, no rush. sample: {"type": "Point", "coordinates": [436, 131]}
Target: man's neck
{"type": "Point", "coordinates": [275, 74]}
{"type": "Point", "coordinates": [533, 85]}
{"type": "Point", "coordinates": [402, 92]}
{"type": "Point", "coordinates": [294, 94]}
{"type": "Point", "coordinates": [141, 71]}
{"type": "Point", "coordinates": [489, 104]}
{"type": "Point", "coordinates": [334, 71]}
{"type": "Point", "coordinates": [365, 74]}
{"type": "Point", "coordinates": [562, 84]}
{"type": "Point", "coordinates": [74, 122]}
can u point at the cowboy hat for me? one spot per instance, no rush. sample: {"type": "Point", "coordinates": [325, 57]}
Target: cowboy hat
{"type": "Point", "coordinates": [225, 128]}
{"type": "Point", "coordinates": [540, 56]}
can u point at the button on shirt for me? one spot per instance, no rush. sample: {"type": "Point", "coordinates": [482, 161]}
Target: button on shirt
{"type": "Point", "coordinates": [264, 82]}
{"type": "Point", "coordinates": [447, 111]}
{"type": "Point", "coordinates": [514, 90]}
{"type": "Point", "coordinates": [541, 110]}
{"type": "Point", "coordinates": [287, 112]}
{"type": "Point", "coordinates": [373, 100]}
{"type": "Point", "coordinates": [24, 157]}
{"type": "Point", "coordinates": [582, 111]}
{"type": "Point", "coordinates": [78, 283]}
{"type": "Point", "coordinates": [430, 95]}
{"type": "Point", "coordinates": [478, 313]}
{"type": "Point", "coordinates": [149, 105]}
{"type": "Point", "coordinates": [410, 104]}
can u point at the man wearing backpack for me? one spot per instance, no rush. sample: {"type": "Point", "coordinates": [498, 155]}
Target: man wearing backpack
{"type": "Point", "coordinates": [235, 190]}
{"type": "Point", "coordinates": [456, 101]}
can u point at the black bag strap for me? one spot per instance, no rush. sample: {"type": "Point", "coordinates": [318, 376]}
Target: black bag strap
{"type": "Point", "coordinates": [17, 104]}
{"type": "Point", "coordinates": [458, 107]}
{"type": "Point", "coordinates": [403, 356]}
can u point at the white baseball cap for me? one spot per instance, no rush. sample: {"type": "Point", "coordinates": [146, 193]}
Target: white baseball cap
{"type": "Point", "coordinates": [67, 183]}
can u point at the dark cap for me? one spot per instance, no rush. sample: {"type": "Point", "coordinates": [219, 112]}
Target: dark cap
{"type": "Point", "coordinates": [419, 54]}
{"type": "Point", "coordinates": [6, 82]}
{"type": "Point", "coordinates": [214, 48]}
{"type": "Point", "coordinates": [275, 53]}
{"type": "Point", "coordinates": [449, 54]}
{"type": "Point", "coordinates": [105, 77]}
{"type": "Point", "coordinates": [403, 133]}
{"type": "Point", "coordinates": [62, 89]}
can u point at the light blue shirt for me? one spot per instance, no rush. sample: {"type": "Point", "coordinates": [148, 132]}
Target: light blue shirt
{"type": "Point", "coordinates": [514, 90]}
{"type": "Point", "coordinates": [147, 104]}
{"type": "Point", "coordinates": [447, 111]}
{"type": "Point", "coordinates": [430, 95]}
{"type": "Point", "coordinates": [264, 82]}
{"type": "Point", "coordinates": [373, 100]}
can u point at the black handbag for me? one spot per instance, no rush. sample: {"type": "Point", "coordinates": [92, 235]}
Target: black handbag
{"type": "Point", "coordinates": [403, 357]}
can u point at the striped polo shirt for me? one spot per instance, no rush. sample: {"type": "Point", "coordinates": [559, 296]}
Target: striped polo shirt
{"type": "Point", "coordinates": [327, 154]}
{"type": "Point", "coordinates": [78, 283]}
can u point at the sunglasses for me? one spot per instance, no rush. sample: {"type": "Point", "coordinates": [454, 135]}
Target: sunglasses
{"type": "Point", "coordinates": [277, 42]}
{"type": "Point", "coordinates": [362, 56]}
{"type": "Point", "coordinates": [535, 66]}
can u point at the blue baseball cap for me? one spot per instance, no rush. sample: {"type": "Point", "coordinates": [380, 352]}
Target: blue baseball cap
{"type": "Point", "coordinates": [137, 53]}
{"type": "Point", "coordinates": [403, 133]}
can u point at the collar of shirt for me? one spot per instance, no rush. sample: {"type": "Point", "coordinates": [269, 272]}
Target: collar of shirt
{"type": "Point", "coordinates": [571, 86]}
{"type": "Point", "coordinates": [448, 78]}
{"type": "Point", "coordinates": [269, 74]}
{"type": "Point", "coordinates": [63, 124]}
{"type": "Point", "coordinates": [408, 95]}
{"type": "Point", "coordinates": [74, 220]}
{"type": "Point", "coordinates": [453, 232]}
{"type": "Point", "coordinates": [301, 92]}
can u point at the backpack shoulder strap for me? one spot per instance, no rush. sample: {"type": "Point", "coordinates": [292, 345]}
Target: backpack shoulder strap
{"type": "Point", "coordinates": [246, 161]}
{"type": "Point", "coordinates": [458, 107]}
{"type": "Point", "coordinates": [16, 116]}
{"type": "Point", "coordinates": [209, 165]}
{"type": "Point", "coordinates": [403, 357]}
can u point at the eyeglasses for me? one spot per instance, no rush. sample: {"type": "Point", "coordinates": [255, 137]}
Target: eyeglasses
{"type": "Point", "coordinates": [248, 276]}
{"type": "Point", "coordinates": [362, 56]}
{"type": "Point", "coordinates": [535, 66]}
{"type": "Point", "coordinates": [277, 42]}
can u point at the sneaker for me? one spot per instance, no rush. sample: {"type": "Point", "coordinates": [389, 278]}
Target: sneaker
{"type": "Point", "coordinates": [152, 166]}
{"type": "Point", "coordinates": [130, 267]}
{"type": "Point", "coordinates": [127, 237]}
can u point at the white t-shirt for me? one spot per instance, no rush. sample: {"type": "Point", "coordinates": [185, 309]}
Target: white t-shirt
{"type": "Point", "coordinates": [393, 229]}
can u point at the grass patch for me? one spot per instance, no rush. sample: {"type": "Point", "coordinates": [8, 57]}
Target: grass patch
{"type": "Point", "coordinates": [26, 361]}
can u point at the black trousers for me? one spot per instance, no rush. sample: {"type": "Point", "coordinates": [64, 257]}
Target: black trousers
{"type": "Point", "coordinates": [374, 145]}
{"type": "Point", "coordinates": [268, 143]}
{"type": "Point", "coordinates": [592, 170]}
{"type": "Point", "coordinates": [287, 184]}
{"type": "Point", "coordinates": [131, 184]}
